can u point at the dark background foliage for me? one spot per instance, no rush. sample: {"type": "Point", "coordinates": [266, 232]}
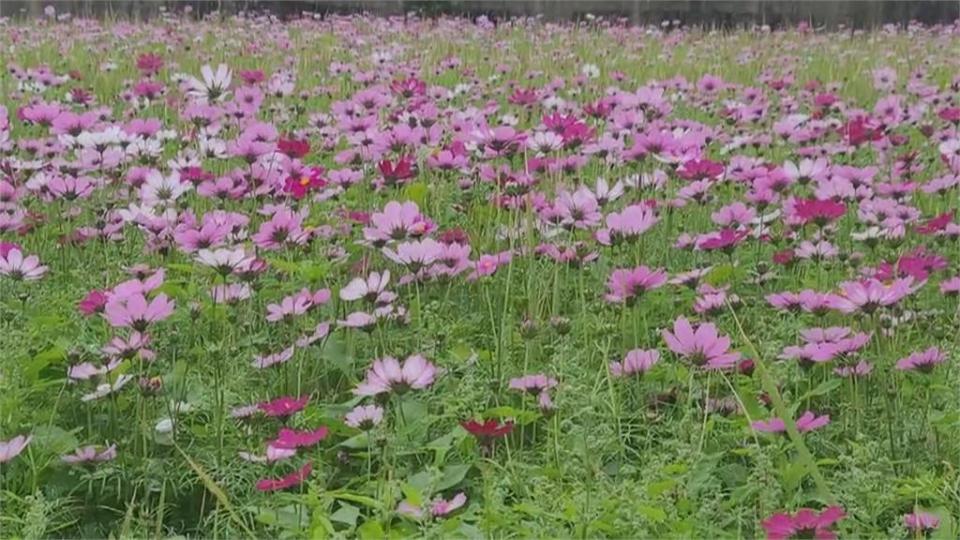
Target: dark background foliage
{"type": "Point", "coordinates": [859, 14]}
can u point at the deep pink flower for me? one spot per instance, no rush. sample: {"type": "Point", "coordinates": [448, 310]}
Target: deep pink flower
{"type": "Point", "coordinates": [283, 407]}
{"type": "Point", "coordinates": [285, 482]}
{"type": "Point", "coordinates": [806, 523]}
{"type": "Point", "coordinates": [94, 302]}
{"type": "Point", "coordinates": [291, 438]}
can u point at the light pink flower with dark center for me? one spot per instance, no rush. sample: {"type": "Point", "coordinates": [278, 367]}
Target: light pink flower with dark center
{"type": "Point", "coordinates": [626, 285]}
{"type": "Point", "coordinates": [90, 454]}
{"type": "Point", "coordinates": [923, 362]}
{"type": "Point", "coordinates": [17, 267]}
{"type": "Point", "coordinates": [807, 422]}
{"type": "Point", "coordinates": [869, 295]}
{"type": "Point", "coordinates": [12, 448]}
{"type": "Point", "coordinates": [636, 361]}
{"type": "Point", "coordinates": [701, 346]}
{"type": "Point", "coordinates": [364, 417]}
{"type": "Point", "coordinates": [135, 312]}
{"type": "Point", "coordinates": [389, 375]}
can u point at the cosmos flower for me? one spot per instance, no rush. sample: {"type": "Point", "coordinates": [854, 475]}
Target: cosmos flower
{"type": "Point", "coordinates": [364, 417]}
{"type": "Point", "coordinates": [923, 362]}
{"type": "Point", "coordinates": [286, 482]}
{"type": "Point", "coordinates": [805, 523]}
{"type": "Point", "coordinates": [626, 285]}
{"type": "Point", "coordinates": [17, 267]}
{"type": "Point", "coordinates": [88, 454]}
{"type": "Point", "coordinates": [702, 346]}
{"type": "Point", "coordinates": [807, 422]}
{"type": "Point", "coordinates": [921, 522]}
{"type": "Point", "coordinates": [636, 361]}
{"type": "Point", "coordinates": [389, 375]}
{"type": "Point", "coordinates": [12, 448]}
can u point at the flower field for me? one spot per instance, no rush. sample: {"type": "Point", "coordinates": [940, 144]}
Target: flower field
{"type": "Point", "coordinates": [362, 277]}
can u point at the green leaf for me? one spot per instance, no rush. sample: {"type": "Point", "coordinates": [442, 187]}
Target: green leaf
{"type": "Point", "coordinates": [54, 439]}
{"type": "Point", "coordinates": [371, 530]}
{"type": "Point", "coordinates": [416, 192]}
{"type": "Point", "coordinates": [346, 514]}
{"type": "Point", "coordinates": [452, 475]}
{"type": "Point", "coordinates": [412, 494]}
{"type": "Point", "coordinates": [651, 513]}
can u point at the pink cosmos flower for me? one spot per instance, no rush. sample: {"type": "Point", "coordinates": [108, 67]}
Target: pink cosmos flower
{"type": "Point", "coordinates": [636, 361]}
{"type": "Point", "coordinates": [284, 228]}
{"type": "Point", "coordinates": [869, 295]}
{"type": "Point", "coordinates": [923, 362]}
{"type": "Point", "coordinates": [861, 369]}
{"type": "Point", "coordinates": [272, 454]}
{"type": "Point", "coordinates": [263, 362]}
{"type": "Point", "coordinates": [291, 438]}
{"type": "Point", "coordinates": [415, 255]}
{"type": "Point", "coordinates": [135, 312]}
{"type": "Point", "coordinates": [806, 523]}
{"type": "Point", "coordinates": [921, 522]}
{"type": "Point", "coordinates": [807, 422]}
{"type": "Point", "coordinates": [285, 482]}
{"type": "Point", "coordinates": [439, 507]}
{"type": "Point", "coordinates": [398, 221]}
{"type": "Point", "coordinates": [373, 289]}
{"type": "Point", "coordinates": [89, 454]}
{"type": "Point", "coordinates": [628, 224]}
{"type": "Point", "coordinates": [12, 448]}
{"type": "Point", "coordinates": [627, 285]}
{"type": "Point", "coordinates": [283, 407]}
{"type": "Point", "coordinates": [388, 375]}
{"type": "Point", "coordinates": [702, 347]}
{"type": "Point", "coordinates": [364, 417]}
{"type": "Point", "coordinates": [17, 267]}
{"type": "Point", "coordinates": [94, 302]}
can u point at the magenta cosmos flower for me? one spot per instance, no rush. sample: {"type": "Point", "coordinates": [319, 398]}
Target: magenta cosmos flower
{"type": "Point", "coordinates": [807, 422]}
{"type": "Point", "coordinates": [636, 361]}
{"type": "Point", "coordinates": [388, 375]}
{"type": "Point", "coordinates": [285, 482]}
{"type": "Point", "coordinates": [703, 347]}
{"type": "Point", "coordinates": [923, 362]}
{"type": "Point", "coordinates": [291, 438]}
{"type": "Point", "coordinates": [283, 407]}
{"type": "Point", "coordinates": [806, 523]}
{"type": "Point", "coordinates": [627, 285]}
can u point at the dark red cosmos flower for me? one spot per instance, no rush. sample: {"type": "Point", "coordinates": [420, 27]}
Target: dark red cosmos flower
{"type": "Point", "coordinates": [820, 212]}
{"type": "Point", "coordinates": [94, 302]}
{"type": "Point", "coordinates": [950, 114]}
{"type": "Point", "coordinates": [195, 175]}
{"type": "Point", "coordinates": [454, 236]}
{"type": "Point", "coordinates": [291, 438]}
{"type": "Point", "coordinates": [936, 224]}
{"type": "Point", "coordinates": [293, 148]}
{"type": "Point", "coordinates": [784, 257]}
{"type": "Point", "coordinates": [252, 76]}
{"type": "Point", "coordinates": [403, 170]}
{"type": "Point", "coordinates": [149, 63]}
{"type": "Point", "coordinates": [859, 131]}
{"type": "Point", "coordinates": [489, 430]}
{"type": "Point", "coordinates": [285, 482]}
{"type": "Point", "coordinates": [309, 179]}
{"type": "Point", "coordinates": [283, 407]}
{"type": "Point", "coordinates": [700, 169]}
{"type": "Point", "coordinates": [524, 97]}
{"type": "Point", "coordinates": [409, 88]}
